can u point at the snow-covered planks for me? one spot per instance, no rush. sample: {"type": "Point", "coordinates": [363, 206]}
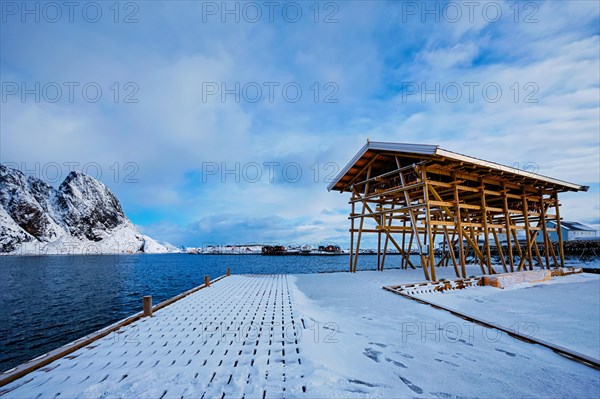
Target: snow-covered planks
{"type": "Point", "coordinates": [236, 338]}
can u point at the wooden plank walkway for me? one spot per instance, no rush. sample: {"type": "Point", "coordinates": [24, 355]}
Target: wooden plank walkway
{"type": "Point", "coordinates": [236, 338]}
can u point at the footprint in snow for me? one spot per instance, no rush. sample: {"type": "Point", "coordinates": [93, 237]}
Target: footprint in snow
{"type": "Point", "coordinates": [406, 355]}
{"type": "Point", "coordinates": [359, 382]}
{"type": "Point", "coordinates": [378, 344]}
{"type": "Point", "coordinates": [445, 395]}
{"type": "Point", "coordinates": [447, 362]}
{"type": "Point", "coordinates": [506, 352]}
{"type": "Point", "coordinates": [410, 385]}
{"type": "Point", "coordinates": [372, 354]}
{"type": "Point", "coordinates": [395, 363]}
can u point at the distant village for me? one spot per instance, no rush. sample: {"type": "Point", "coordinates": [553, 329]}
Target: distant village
{"type": "Point", "coordinates": [580, 240]}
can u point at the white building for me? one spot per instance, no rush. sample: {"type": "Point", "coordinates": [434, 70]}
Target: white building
{"type": "Point", "coordinates": [570, 231]}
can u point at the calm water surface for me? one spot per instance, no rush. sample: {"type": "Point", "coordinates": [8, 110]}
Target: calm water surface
{"type": "Point", "coordinates": [49, 301]}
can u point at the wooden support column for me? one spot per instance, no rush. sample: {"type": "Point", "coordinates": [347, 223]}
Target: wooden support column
{"type": "Point", "coordinates": [518, 246]}
{"type": "Point", "coordinates": [379, 250]}
{"type": "Point", "coordinates": [527, 231]}
{"type": "Point", "coordinates": [352, 230]}
{"type": "Point", "coordinates": [458, 224]}
{"type": "Point", "coordinates": [403, 242]}
{"type": "Point", "coordinates": [393, 241]}
{"type": "Point", "coordinates": [486, 232]}
{"type": "Point", "coordinates": [362, 220]}
{"type": "Point", "coordinates": [410, 243]}
{"type": "Point", "coordinates": [507, 222]}
{"type": "Point", "coordinates": [413, 222]}
{"type": "Point", "coordinates": [500, 251]}
{"type": "Point", "coordinates": [544, 229]}
{"type": "Point", "coordinates": [387, 238]}
{"type": "Point", "coordinates": [559, 230]}
{"type": "Point", "coordinates": [470, 240]}
{"type": "Point", "coordinates": [451, 249]}
{"type": "Point", "coordinates": [428, 224]}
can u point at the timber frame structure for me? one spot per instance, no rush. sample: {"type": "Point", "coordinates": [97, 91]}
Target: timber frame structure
{"type": "Point", "coordinates": [414, 193]}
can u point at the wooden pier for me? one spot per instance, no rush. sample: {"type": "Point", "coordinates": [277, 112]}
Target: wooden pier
{"type": "Point", "coordinates": [224, 339]}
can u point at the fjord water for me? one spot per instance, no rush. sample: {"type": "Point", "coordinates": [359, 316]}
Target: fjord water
{"type": "Point", "coordinates": [49, 301]}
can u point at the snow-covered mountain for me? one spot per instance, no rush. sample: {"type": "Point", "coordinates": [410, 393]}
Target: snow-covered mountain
{"type": "Point", "coordinates": [82, 216]}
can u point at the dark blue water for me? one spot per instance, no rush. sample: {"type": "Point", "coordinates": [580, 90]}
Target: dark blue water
{"type": "Point", "coordinates": [49, 301]}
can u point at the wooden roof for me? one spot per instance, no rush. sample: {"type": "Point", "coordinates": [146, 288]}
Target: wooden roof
{"type": "Point", "coordinates": [381, 157]}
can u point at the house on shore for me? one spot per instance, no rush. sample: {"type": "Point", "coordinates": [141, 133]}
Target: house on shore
{"type": "Point", "coordinates": [570, 231]}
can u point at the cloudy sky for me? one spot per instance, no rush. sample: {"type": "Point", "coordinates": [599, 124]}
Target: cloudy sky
{"type": "Point", "coordinates": [220, 122]}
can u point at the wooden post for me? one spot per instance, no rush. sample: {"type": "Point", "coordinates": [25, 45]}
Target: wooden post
{"type": "Point", "coordinates": [486, 232]}
{"type": "Point", "coordinates": [228, 272]}
{"type": "Point", "coordinates": [147, 303]}
{"type": "Point", "coordinates": [352, 230]}
{"type": "Point", "coordinates": [206, 281]}
{"type": "Point", "coordinates": [379, 250]}
{"type": "Point", "coordinates": [403, 241]}
{"type": "Point", "coordinates": [559, 230]}
{"type": "Point", "coordinates": [544, 229]}
{"type": "Point", "coordinates": [458, 224]}
{"type": "Point", "coordinates": [451, 249]}
{"type": "Point", "coordinates": [508, 229]}
{"type": "Point", "coordinates": [410, 243]}
{"type": "Point", "coordinates": [413, 221]}
{"type": "Point", "coordinates": [527, 234]}
{"type": "Point", "coordinates": [387, 238]}
{"type": "Point", "coordinates": [500, 252]}
{"type": "Point", "coordinates": [428, 224]}
{"type": "Point", "coordinates": [362, 220]}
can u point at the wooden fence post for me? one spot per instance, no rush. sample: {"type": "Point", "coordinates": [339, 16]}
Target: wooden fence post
{"type": "Point", "coordinates": [206, 281]}
{"type": "Point", "coordinates": [147, 301]}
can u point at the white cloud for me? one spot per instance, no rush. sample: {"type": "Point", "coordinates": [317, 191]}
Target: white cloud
{"type": "Point", "coordinates": [368, 54]}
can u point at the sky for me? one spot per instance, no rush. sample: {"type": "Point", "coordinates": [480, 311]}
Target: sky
{"type": "Point", "coordinates": [224, 122]}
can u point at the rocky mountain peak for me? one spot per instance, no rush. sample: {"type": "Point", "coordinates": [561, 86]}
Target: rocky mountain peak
{"type": "Point", "coordinates": [82, 210]}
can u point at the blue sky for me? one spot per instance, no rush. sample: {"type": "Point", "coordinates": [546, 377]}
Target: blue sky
{"type": "Point", "coordinates": [223, 122]}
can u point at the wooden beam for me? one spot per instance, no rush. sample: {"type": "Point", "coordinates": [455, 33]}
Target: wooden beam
{"type": "Point", "coordinates": [559, 230]}
{"type": "Point", "coordinates": [544, 232]}
{"type": "Point", "coordinates": [508, 223]}
{"type": "Point", "coordinates": [458, 220]}
{"type": "Point", "coordinates": [429, 226]}
{"type": "Point", "coordinates": [413, 221]}
{"type": "Point", "coordinates": [527, 235]}
{"type": "Point", "coordinates": [352, 233]}
{"type": "Point", "coordinates": [486, 232]}
{"type": "Point", "coordinates": [470, 241]}
{"type": "Point", "coordinates": [362, 220]}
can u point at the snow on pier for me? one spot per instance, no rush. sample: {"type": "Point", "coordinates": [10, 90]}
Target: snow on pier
{"type": "Point", "coordinates": [334, 335]}
{"type": "Point", "coordinates": [235, 338]}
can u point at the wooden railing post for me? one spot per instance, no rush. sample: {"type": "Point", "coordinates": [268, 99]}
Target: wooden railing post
{"type": "Point", "coordinates": [206, 281]}
{"type": "Point", "coordinates": [228, 271]}
{"type": "Point", "coordinates": [147, 301]}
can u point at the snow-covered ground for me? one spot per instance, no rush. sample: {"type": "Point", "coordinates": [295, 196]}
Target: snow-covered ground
{"type": "Point", "coordinates": [564, 310]}
{"type": "Point", "coordinates": [330, 335]}
{"type": "Point", "coordinates": [390, 346]}
{"type": "Point", "coordinates": [593, 263]}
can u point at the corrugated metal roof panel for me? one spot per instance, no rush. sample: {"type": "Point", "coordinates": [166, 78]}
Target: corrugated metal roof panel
{"type": "Point", "coordinates": [425, 149]}
{"type": "Point", "coordinates": [434, 150]}
{"type": "Point", "coordinates": [504, 168]}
